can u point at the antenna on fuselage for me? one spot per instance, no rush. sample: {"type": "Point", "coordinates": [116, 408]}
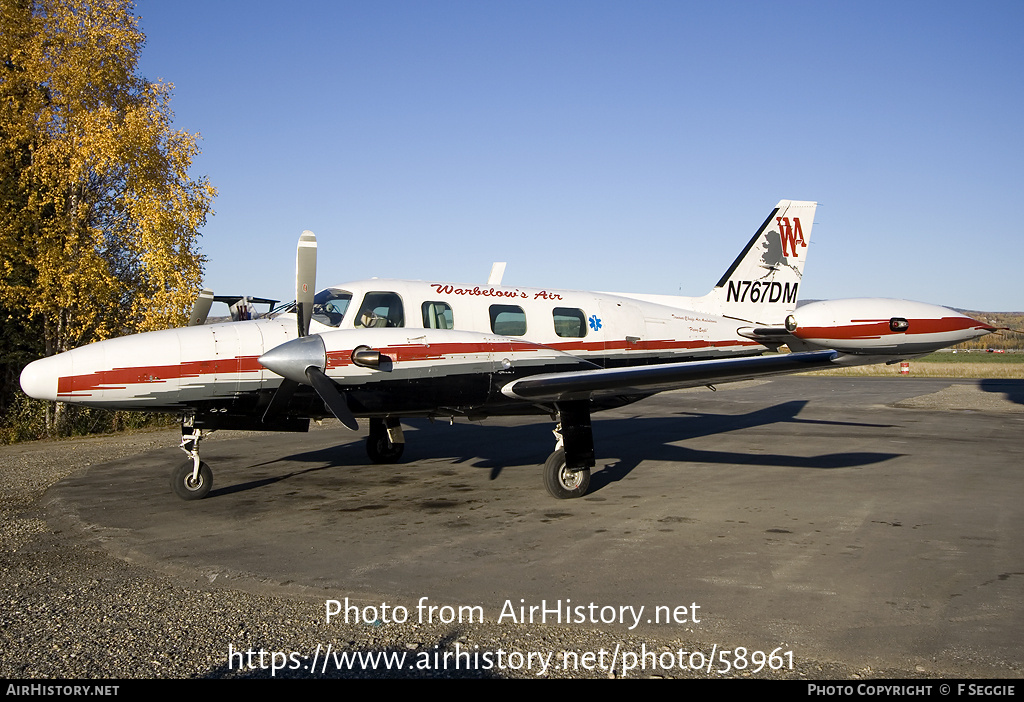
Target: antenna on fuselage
{"type": "Point", "coordinates": [497, 273]}
{"type": "Point", "coordinates": [201, 308]}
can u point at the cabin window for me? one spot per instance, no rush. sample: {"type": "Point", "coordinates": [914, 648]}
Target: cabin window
{"type": "Point", "coordinates": [330, 305]}
{"type": "Point", "coordinates": [380, 309]}
{"type": "Point", "coordinates": [437, 315]}
{"type": "Point", "coordinates": [508, 320]}
{"type": "Point", "coordinates": [570, 323]}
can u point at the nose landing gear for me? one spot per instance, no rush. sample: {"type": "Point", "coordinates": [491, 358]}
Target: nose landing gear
{"type": "Point", "coordinates": [193, 479]}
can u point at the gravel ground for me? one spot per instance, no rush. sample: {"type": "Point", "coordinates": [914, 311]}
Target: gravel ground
{"type": "Point", "coordinates": [71, 610]}
{"type": "Point", "coordinates": [963, 397]}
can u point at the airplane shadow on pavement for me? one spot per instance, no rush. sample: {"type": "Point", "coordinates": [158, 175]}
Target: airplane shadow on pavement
{"type": "Point", "coordinates": [496, 448]}
{"type": "Point", "coordinates": [1013, 390]}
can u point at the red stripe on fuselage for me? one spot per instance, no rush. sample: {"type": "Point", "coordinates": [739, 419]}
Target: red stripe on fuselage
{"type": "Point", "coordinates": [877, 328]}
{"type": "Point", "coordinates": [430, 352]}
{"type": "Point", "coordinates": [119, 378]}
{"type": "Point", "coordinates": [651, 345]}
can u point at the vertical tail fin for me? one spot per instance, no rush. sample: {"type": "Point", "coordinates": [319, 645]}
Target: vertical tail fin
{"type": "Point", "coordinates": [762, 283]}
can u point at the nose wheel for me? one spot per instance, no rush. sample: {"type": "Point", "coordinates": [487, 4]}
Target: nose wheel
{"type": "Point", "coordinates": [190, 484]}
{"type": "Point", "coordinates": [193, 479]}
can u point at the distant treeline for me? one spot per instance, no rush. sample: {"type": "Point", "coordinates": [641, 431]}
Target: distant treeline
{"type": "Point", "coordinates": [1001, 340]}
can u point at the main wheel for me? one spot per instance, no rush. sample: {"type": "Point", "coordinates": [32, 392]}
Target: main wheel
{"type": "Point", "coordinates": [380, 449]}
{"type": "Point", "coordinates": [188, 489]}
{"type": "Point", "coordinates": [562, 482]}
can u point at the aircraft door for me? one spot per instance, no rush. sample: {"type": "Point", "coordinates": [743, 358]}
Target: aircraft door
{"type": "Point", "coordinates": [624, 330]}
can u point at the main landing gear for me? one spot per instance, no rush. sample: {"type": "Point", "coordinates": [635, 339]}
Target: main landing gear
{"type": "Point", "coordinates": [193, 479]}
{"type": "Point", "coordinates": [386, 442]}
{"type": "Point", "coordinates": [562, 482]}
{"type": "Point", "coordinates": [567, 471]}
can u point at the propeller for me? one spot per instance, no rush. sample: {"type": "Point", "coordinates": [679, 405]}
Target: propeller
{"type": "Point", "coordinates": [305, 280]}
{"type": "Point", "coordinates": [333, 397]}
{"type": "Point", "coordinates": [201, 308]}
{"type": "Point", "coordinates": [302, 361]}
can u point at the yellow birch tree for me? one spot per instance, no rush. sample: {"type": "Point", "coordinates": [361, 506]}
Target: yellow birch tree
{"type": "Point", "coordinates": [99, 215]}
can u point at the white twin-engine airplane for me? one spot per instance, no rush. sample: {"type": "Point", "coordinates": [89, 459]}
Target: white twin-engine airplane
{"type": "Point", "coordinates": [387, 349]}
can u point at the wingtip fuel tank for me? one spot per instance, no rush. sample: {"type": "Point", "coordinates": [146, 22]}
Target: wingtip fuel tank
{"type": "Point", "coordinates": [882, 326]}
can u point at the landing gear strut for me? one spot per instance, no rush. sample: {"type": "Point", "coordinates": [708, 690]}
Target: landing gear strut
{"type": "Point", "coordinates": [567, 470]}
{"type": "Point", "coordinates": [386, 442]}
{"type": "Point", "coordinates": [193, 479]}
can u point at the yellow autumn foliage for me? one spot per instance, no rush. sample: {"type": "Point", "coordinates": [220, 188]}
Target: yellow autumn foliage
{"type": "Point", "coordinates": [99, 216]}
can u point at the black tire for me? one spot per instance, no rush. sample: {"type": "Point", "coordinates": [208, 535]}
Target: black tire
{"type": "Point", "coordinates": [561, 483]}
{"type": "Point", "coordinates": [380, 449]}
{"type": "Point", "coordinates": [183, 485]}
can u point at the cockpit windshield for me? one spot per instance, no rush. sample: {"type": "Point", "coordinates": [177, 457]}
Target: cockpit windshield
{"type": "Point", "coordinates": [329, 306]}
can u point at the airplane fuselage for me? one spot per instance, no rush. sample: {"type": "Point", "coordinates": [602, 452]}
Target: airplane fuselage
{"type": "Point", "coordinates": [449, 350]}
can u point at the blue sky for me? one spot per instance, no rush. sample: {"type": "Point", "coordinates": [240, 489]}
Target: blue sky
{"type": "Point", "coordinates": [629, 146]}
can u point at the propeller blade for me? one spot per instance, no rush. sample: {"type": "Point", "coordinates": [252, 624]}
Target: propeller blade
{"type": "Point", "coordinates": [201, 308]}
{"type": "Point", "coordinates": [279, 402]}
{"type": "Point", "coordinates": [332, 397]}
{"type": "Point", "coordinates": [305, 280]}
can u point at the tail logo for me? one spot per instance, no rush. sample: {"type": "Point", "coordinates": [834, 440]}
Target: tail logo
{"type": "Point", "coordinates": [791, 235]}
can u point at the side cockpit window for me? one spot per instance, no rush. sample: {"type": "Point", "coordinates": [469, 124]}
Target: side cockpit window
{"type": "Point", "coordinates": [437, 315]}
{"type": "Point", "coordinates": [330, 305]}
{"type": "Point", "coordinates": [381, 309]}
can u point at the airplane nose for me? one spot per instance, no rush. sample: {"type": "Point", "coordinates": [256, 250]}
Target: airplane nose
{"type": "Point", "coordinates": [292, 358]}
{"type": "Point", "coordinates": [39, 378]}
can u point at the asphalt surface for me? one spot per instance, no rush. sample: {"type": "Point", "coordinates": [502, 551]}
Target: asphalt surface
{"type": "Point", "coordinates": [867, 524]}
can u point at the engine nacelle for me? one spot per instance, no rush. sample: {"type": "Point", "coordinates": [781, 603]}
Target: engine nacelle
{"type": "Point", "coordinates": [161, 370]}
{"type": "Point", "coordinates": [881, 326]}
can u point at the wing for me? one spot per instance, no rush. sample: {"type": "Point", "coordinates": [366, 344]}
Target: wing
{"type": "Point", "coordinates": [579, 385]}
